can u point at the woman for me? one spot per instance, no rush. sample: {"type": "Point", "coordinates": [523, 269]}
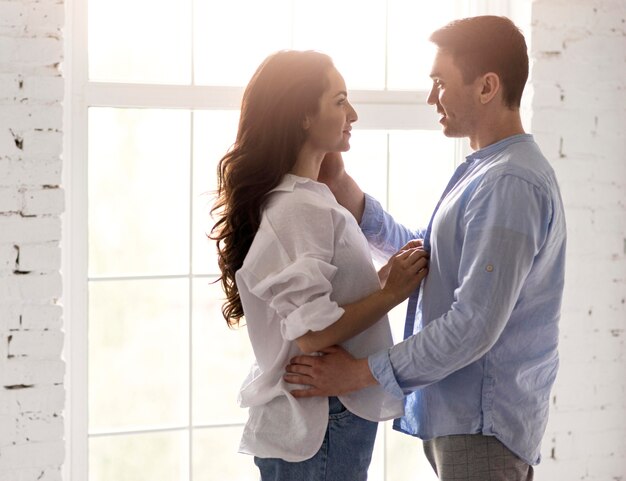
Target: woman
{"type": "Point", "coordinates": [296, 265]}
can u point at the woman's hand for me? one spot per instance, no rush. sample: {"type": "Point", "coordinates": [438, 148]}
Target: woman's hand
{"type": "Point", "coordinates": [405, 270]}
{"type": "Point", "coordinates": [383, 272]}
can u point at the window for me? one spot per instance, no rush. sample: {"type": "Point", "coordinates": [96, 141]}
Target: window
{"type": "Point", "coordinates": [154, 97]}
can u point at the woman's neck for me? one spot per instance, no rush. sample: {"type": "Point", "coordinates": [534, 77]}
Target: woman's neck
{"type": "Point", "coordinates": [308, 163]}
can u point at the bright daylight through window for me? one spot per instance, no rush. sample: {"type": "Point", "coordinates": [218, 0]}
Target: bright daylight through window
{"type": "Point", "coordinates": [162, 82]}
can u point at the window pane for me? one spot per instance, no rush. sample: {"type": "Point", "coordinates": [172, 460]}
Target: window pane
{"type": "Point", "coordinates": [397, 316]}
{"type": "Point", "coordinates": [356, 46]}
{"type": "Point", "coordinates": [376, 471]}
{"type": "Point", "coordinates": [138, 191]}
{"type": "Point", "coordinates": [140, 41]}
{"type": "Point", "coordinates": [409, 51]}
{"type": "Point", "coordinates": [215, 456]}
{"type": "Point", "coordinates": [420, 165]}
{"type": "Point", "coordinates": [231, 38]}
{"type": "Point", "coordinates": [366, 162]}
{"type": "Point", "coordinates": [406, 455]}
{"type": "Point", "coordinates": [138, 354]}
{"type": "Point", "coordinates": [221, 359]}
{"type": "Point", "coordinates": [154, 457]}
{"type": "Point", "coordinates": [214, 133]}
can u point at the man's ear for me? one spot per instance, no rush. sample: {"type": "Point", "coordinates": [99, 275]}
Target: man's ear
{"type": "Point", "coordinates": [490, 86]}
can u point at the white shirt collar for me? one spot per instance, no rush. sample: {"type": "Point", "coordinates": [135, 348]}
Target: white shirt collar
{"type": "Point", "coordinates": [289, 182]}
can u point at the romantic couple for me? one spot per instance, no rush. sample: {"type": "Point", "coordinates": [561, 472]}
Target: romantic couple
{"type": "Point", "coordinates": [484, 277]}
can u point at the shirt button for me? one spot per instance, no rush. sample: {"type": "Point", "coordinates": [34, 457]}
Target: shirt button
{"type": "Point", "coordinates": [489, 268]}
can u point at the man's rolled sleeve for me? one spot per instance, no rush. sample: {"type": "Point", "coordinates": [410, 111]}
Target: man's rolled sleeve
{"type": "Point", "coordinates": [382, 370]}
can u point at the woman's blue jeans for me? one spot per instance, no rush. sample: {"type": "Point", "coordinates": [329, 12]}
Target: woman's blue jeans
{"type": "Point", "coordinates": [345, 454]}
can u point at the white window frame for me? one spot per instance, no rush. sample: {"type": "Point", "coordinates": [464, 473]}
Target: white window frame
{"type": "Point", "coordinates": [384, 110]}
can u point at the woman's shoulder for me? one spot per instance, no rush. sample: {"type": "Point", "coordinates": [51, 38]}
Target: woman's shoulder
{"type": "Point", "coordinates": [302, 200]}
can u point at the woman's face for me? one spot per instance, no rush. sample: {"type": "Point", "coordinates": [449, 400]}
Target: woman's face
{"type": "Point", "coordinates": [329, 130]}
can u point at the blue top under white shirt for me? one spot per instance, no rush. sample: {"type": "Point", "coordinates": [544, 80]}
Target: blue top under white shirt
{"type": "Point", "coordinates": [483, 358]}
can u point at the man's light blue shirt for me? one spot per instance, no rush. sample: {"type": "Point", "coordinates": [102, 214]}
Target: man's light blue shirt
{"type": "Point", "coordinates": [484, 354]}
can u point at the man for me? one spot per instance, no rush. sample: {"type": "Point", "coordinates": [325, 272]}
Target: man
{"type": "Point", "coordinates": [477, 370]}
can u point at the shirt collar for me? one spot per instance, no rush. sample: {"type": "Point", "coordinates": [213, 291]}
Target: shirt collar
{"type": "Point", "coordinates": [290, 181]}
{"type": "Point", "coordinates": [498, 146]}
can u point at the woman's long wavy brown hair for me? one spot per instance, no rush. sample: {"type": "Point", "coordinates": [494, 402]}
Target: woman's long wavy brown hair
{"type": "Point", "coordinates": [284, 90]}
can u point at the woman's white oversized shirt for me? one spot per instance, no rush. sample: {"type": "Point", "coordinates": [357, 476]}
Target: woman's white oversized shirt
{"type": "Point", "coordinates": [308, 258]}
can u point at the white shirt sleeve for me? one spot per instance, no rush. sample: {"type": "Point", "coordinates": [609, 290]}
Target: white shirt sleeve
{"type": "Point", "coordinates": [290, 267]}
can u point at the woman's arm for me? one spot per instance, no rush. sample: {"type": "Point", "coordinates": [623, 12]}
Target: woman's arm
{"type": "Point", "coordinates": [406, 270]}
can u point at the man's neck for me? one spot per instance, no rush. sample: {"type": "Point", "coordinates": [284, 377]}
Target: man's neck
{"type": "Point", "coordinates": [504, 124]}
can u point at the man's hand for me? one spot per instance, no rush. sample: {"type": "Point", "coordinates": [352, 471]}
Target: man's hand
{"type": "Point", "coordinates": [333, 373]}
{"type": "Point", "coordinates": [344, 188]}
{"type": "Point", "coordinates": [332, 170]}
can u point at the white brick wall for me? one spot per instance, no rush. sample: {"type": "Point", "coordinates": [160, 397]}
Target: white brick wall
{"type": "Point", "coordinates": [578, 77]}
{"type": "Point", "coordinates": [32, 395]}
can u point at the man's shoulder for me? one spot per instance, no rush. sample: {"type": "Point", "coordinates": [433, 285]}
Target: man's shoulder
{"type": "Point", "coordinates": [523, 161]}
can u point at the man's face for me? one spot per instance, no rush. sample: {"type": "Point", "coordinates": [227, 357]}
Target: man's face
{"type": "Point", "coordinates": [456, 102]}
